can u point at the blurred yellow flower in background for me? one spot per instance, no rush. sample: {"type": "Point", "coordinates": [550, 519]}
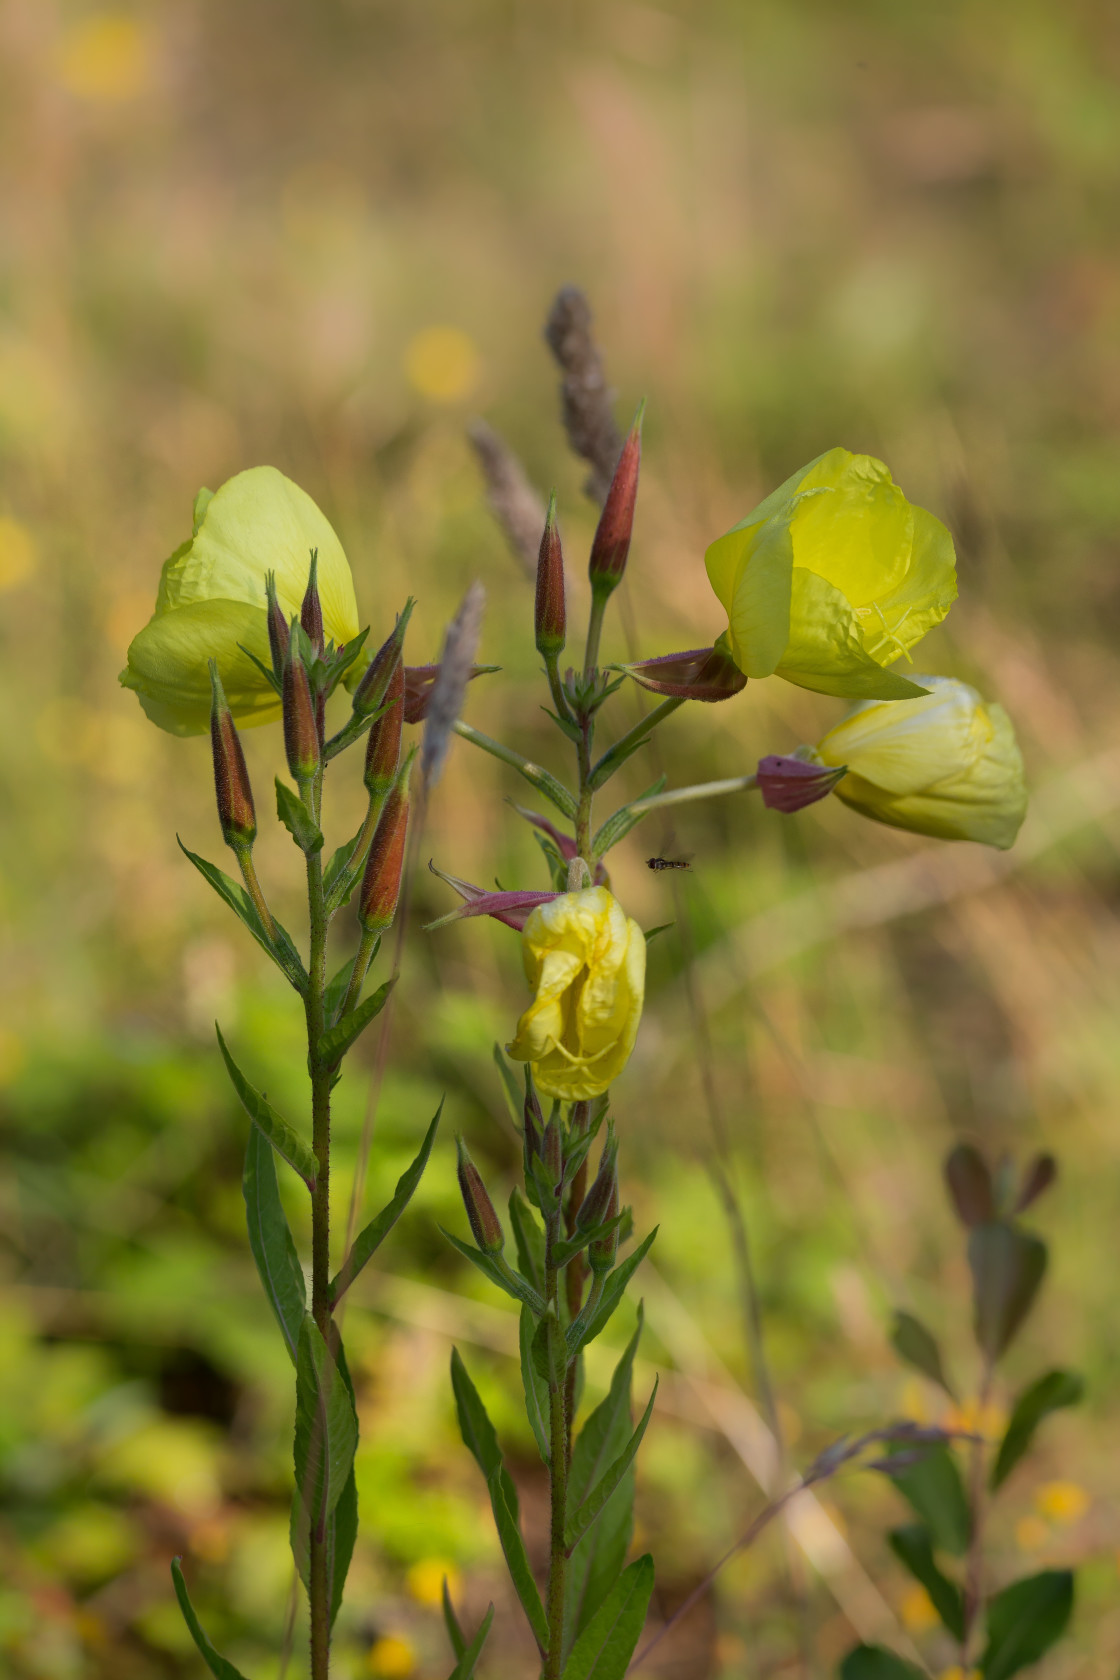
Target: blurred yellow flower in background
{"type": "Point", "coordinates": [443, 364]}
{"type": "Point", "coordinates": [585, 961]}
{"type": "Point", "coordinates": [917, 1611]}
{"type": "Point", "coordinates": [832, 578]}
{"type": "Point", "coordinates": [1031, 1534]}
{"type": "Point", "coordinates": [1064, 1503]}
{"type": "Point", "coordinates": [211, 601]}
{"type": "Point", "coordinates": [105, 58]}
{"type": "Point", "coordinates": [947, 764]}
{"type": "Point", "coordinates": [426, 1577]}
{"type": "Point", "coordinates": [392, 1658]}
{"type": "Point", "coordinates": [18, 554]}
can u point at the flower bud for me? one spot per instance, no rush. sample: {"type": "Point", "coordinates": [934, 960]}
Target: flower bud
{"type": "Point", "coordinates": [311, 612]}
{"type": "Point", "coordinates": [595, 1204]}
{"type": "Point", "coordinates": [550, 622]}
{"type": "Point", "coordinates": [301, 727]}
{"type": "Point", "coordinates": [373, 689]}
{"type": "Point", "coordinates": [381, 883]}
{"type": "Point", "coordinates": [601, 1253]}
{"type": "Point", "coordinates": [236, 811]}
{"type": "Point", "coordinates": [699, 674]}
{"type": "Point", "coordinates": [485, 1224]}
{"type": "Point", "coordinates": [279, 636]}
{"type": "Point", "coordinates": [789, 784]}
{"type": "Point", "coordinates": [383, 744]}
{"type": "Point", "coordinates": [612, 538]}
{"type": "Point", "coordinates": [552, 1151]}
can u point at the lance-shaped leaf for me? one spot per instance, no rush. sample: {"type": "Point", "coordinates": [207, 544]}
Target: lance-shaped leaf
{"type": "Point", "coordinates": [451, 1622]}
{"type": "Point", "coordinates": [535, 1386]}
{"type": "Point", "coordinates": [369, 1240]}
{"type": "Point", "coordinates": [469, 1655]}
{"type": "Point", "coordinates": [528, 1237]}
{"type": "Point", "coordinates": [597, 1561]}
{"type": "Point", "coordinates": [282, 950]}
{"type": "Point", "coordinates": [913, 1547]}
{"type": "Point", "coordinates": [547, 1353]}
{"type": "Point", "coordinates": [270, 1239]}
{"type": "Point", "coordinates": [220, 1667]}
{"type": "Point", "coordinates": [341, 1528]}
{"type": "Point", "coordinates": [1025, 1620]}
{"type": "Point", "coordinates": [276, 1129]}
{"type": "Point", "coordinates": [934, 1488]}
{"type": "Point", "coordinates": [876, 1662]}
{"type": "Point", "coordinates": [707, 673]}
{"type": "Point", "coordinates": [297, 819]}
{"type": "Point", "coordinates": [970, 1185]}
{"type": "Point", "coordinates": [326, 1439]}
{"type": "Point", "coordinates": [1048, 1394]}
{"type": "Point", "coordinates": [566, 1250]}
{"type": "Point", "coordinates": [1007, 1269]}
{"type": "Point", "coordinates": [501, 1273]}
{"type": "Point", "coordinates": [914, 1343]}
{"type": "Point", "coordinates": [517, 1559]}
{"type": "Point", "coordinates": [337, 865]}
{"type": "Point", "coordinates": [592, 1506]}
{"type": "Point", "coordinates": [585, 1328]}
{"type": "Point", "coordinates": [337, 1040]}
{"type": "Point", "coordinates": [619, 824]}
{"type": "Point", "coordinates": [604, 1648]}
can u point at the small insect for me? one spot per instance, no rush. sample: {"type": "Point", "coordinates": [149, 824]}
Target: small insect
{"type": "Point", "coordinates": [670, 863]}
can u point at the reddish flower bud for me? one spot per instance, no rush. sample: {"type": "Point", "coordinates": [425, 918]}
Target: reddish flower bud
{"type": "Point", "coordinates": [381, 883]}
{"type": "Point", "coordinates": [601, 1253]}
{"type": "Point", "coordinates": [699, 674]}
{"type": "Point", "coordinates": [550, 621]}
{"type": "Point", "coordinates": [612, 539]}
{"type": "Point", "coordinates": [485, 1224]}
{"type": "Point", "coordinates": [311, 612]}
{"type": "Point", "coordinates": [279, 635]}
{"type": "Point", "coordinates": [373, 689]}
{"type": "Point", "coordinates": [595, 1204]}
{"type": "Point", "coordinates": [789, 784]}
{"type": "Point", "coordinates": [301, 727]}
{"type": "Point", "coordinates": [383, 744]}
{"type": "Point", "coordinates": [236, 811]}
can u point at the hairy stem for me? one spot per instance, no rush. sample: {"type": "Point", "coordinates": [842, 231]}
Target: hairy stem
{"type": "Point", "coordinates": [253, 887]}
{"type": "Point", "coordinates": [559, 1426]}
{"type": "Point", "coordinates": [699, 790]}
{"type": "Point", "coordinates": [594, 630]}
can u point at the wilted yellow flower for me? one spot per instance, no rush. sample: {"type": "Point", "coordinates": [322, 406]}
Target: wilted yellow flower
{"type": "Point", "coordinates": [947, 764]}
{"type": "Point", "coordinates": [211, 601]}
{"type": "Point", "coordinates": [832, 578]}
{"type": "Point", "coordinates": [586, 963]}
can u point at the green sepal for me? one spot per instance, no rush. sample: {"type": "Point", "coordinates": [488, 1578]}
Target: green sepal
{"type": "Point", "coordinates": [581, 1330]}
{"type": "Point", "coordinates": [1047, 1394]}
{"type": "Point", "coordinates": [469, 1655]}
{"type": "Point", "coordinates": [1025, 1620]}
{"type": "Point", "coordinates": [500, 1273]}
{"type": "Point", "coordinates": [219, 1666]}
{"type": "Point", "coordinates": [913, 1547]}
{"type": "Point", "coordinates": [276, 1129]}
{"type": "Point", "coordinates": [529, 1239]}
{"type": "Point", "coordinates": [326, 1439]}
{"type": "Point", "coordinates": [933, 1486]}
{"type": "Point", "coordinates": [297, 819]}
{"type": "Point", "coordinates": [876, 1662]}
{"type": "Point", "coordinates": [535, 1386]}
{"type": "Point", "coordinates": [283, 951]}
{"type": "Point", "coordinates": [592, 1506]}
{"type": "Point", "coordinates": [270, 1239]}
{"type": "Point", "coordinates": [618, 825]}
{"type": "Point", "coordinates": [337, 1040]}
{"type": "Point", "coordinates": [369, 1240]}
{"type": "Point", "coordinates": [606, 1645]}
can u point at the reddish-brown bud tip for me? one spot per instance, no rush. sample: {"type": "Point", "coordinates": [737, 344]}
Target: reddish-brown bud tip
{"type": "Point", "coordinates": [311, 612]}
{"type": "Point", "coordinates": [373, 689]}
{"type": "Point", "coordinates": [485, 1224]}
{"type": "Point", "coordinates": [616, 523]}
{"type": "Point", "coordinates": [236, 811]}
{"type": "Point", "coordinates": [383, 744]}
{"type": "Point", "coordinates": [789, 784]}
{"type": "Point", "coordinates": [301, 727]}
{"type": "Point", "coordinates": [550, 621]}
{"type": "Point", "coordinates": [279, 635]}
{"type": "Point", "coordinates": [381, 883]}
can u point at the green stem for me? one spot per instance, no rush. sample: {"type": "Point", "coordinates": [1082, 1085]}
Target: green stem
{"type": "Point", "coordinates": [540, 778]}
{"type": "Point", "coordinates": [620, 752]}
{"type": "Point", "coordinates": [698, 790]}
{"type": "Point", "coordinates": [559, 1424]}
{"type": "Point", "coordinates": [249, 876]}
{"type": "Point", "coordinates": [974, 1567]}
{"type": "Point", "coordinates": [559, 698]}
{"type": "Point", "coordinates": [599, 599]}
{"type": "Point", "coordinates": [366, 949]}
{"type": "Point", "coordinates": [344, 885]}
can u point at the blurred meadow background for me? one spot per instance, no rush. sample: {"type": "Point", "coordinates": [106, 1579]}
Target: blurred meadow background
{"type": "Point", "coordinates": [326, 236]}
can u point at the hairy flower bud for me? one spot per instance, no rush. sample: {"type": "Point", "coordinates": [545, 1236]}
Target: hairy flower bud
{"type": "Point", "coordinates": [595, 1204]}
{"type": "Point", "coordinates": [311, 611]}
{"type": "Point", "coordinates": [550, 620]}
{"type": "Point", "coordinates": [373, 689]}
{"type": "Point", "coordinates": [236, 811]}
{"type": "Point", "coordinates": [485, 1224]}
{"type": "Point", "coordinates": [279, 635]}
{"type": "Point", "coordinates": [383, 744]}
{"type": "Point", "coordinates": [612, 538]}
{"type": "Point", "coordinates": [381, 883]}
{"type": "Point", "coordinates": [301, 727]}
{"type": "Point", "coordinates": [601, 1253]}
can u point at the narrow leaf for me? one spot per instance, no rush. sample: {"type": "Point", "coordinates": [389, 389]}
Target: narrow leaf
{"type": "Point", "coordinates": [276, 1129]}
{"type": "Point", "coordinates": [566, 1250]}
{"type": "Point", "coordinates": [604, 1648]}
{"type": "Point", "coordinates": [218, 1665]}
{"type": "Point", "coordinates": [336, 864]}
{"type": "Point", "coordinates": [1024, 1620]}
{"type": "Point", "coordinates": [579, 1334]}
{"type": "Point", "coordinates": [500, 1273]}
{"type": "Point", "coordinates": [517, 1559]}
{"type": "Point", "coordinates": [339, 984]}
{"type": "Point", "coordinates": [297, 819]}
{"type": "Point", "coordinates": [591, 1507]}
{"type": "Point", "coordinates": [270, 1239]}
{"type": "Point", "coordinates": [933, 1487]}
{"type": "Point", "coordinates": [451, 1623]}
{"type": "Point", "coordinates": [914, 1343]}
{"type": "Point", "coordinates": [1048, 1394]}
{"type": "Point", "coordinates": [337, 1040]}
{"type": "Point", "coordinates": [326, 1435]}
{"type": "Point", "coordinates": [913, 1547]}
{"type": "Point", "coordinates": [536, 1389]}
{"type": "Point", "coordinates": [475, 1426]}
{"type": "Point", "coordinates": [510, 1086]}
{"type": "Point", "coordinates": [1007, 1269]}
{"type": "Point", "coordinates": [283, 952]}
{"type": "Point", "coordinates": [368, 1241]}
{"type": "Point", "coordinates": [623, 820]}
{"type": "Point", "coordinates": [547, 1351]}
{"type": "Point", "coordinates": [529, 1238]}
{"type": "Point", "coordinates": [468, 1657]}
{"type": "Point", "coordinates": [875, 1662]}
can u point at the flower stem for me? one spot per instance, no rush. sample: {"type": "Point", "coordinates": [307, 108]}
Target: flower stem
{"type": "Point", "coordinates": [253, 886]}
{"type": "Point", "coordinates": [559, 1424]}
{"type": "Point", "coordinates": [358, 973]}
{"type": "Point", "coordinates": [626, 744]}
{"type": "Point", "coordinates": [594, 630]}
{"type": "Point", "coordinates": [540, 778]}
{"type": "Point", "coordinates": [698, 790]}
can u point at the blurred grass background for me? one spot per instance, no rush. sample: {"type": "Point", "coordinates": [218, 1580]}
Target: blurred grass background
{"type": "Point", "coordinates": [325, 236]}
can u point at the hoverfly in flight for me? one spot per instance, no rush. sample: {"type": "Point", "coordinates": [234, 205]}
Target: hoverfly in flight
{"type": "Point", "coordinates": [670, 863]}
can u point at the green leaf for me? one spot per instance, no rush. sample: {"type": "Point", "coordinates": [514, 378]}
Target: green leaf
{"type": "Point", "coordinates": [579, 1334]}
{"type": "Point", "coordinates": [913, 1548]}
{"type": "Point", "coordinates": [368, 1241]}
{"type": "Point", "coordinates": [914, 1343]}
{"type": "Point", "coordinates": [326, 1439]}
{"type": "Point", "coordinates": [529, 1238]}
{"type": "Point", "coordinates": [469, 1655]}
{"type": "Point", "coordinates": [270, 1239]}
{"type": "Point", "coordinates": [276, 1129]}
{"type": "Point", "coordinates": [510, 1087]}
{"type": "Point", "coordinates": [336, 866]}
{"type": "Point", "coordinates": [933, 1486]}
{"type": "Point", "coordinates": [597, 1561]}
{"type": "Point", "coordinates": [451, 1623]}
{"type": "Point", "coordinates": [297, 819]}
{"type": "Point", "coordinates": [604, 1648]}
{"type": "Point", "coordinates": [517, 1558]}
{"type": "Point", "coordinates": [336, 1041]}
{"type": "Point", "coordinates": [1048, 1394]}
{"type": "Point", "coordinates": [342, 1534]}
{"type": "Point", "coordinates": [283, 952]}
{"type": "Point", "coordinates": [475, 1427]}
{"type": "Point", "coordinates": [547, 1352]}
{"type": "Point", "coordinates": [339, 984]}
{"type": "Point", "coordinates": [593, 1505]}
{"type": "Point", "coordinates": [875, 1662]}
{"type": "Point", "coordinates": [622, 821]}
{"type": "Point", "coordinates": [536, 1389]}
{"type": "Point", "coordinates": [1007, 1269]}
{"type": "Point", "coordinates": [500, 1273]}
{"type": "Point", "coordinates": [1024, 1620]}
{"type": "Point", "coordinates": [219, 1666]}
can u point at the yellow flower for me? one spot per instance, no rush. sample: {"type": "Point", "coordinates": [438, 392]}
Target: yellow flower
{"type": "Point", "coordinates": [1063, 1502]}
{"type": "Point", "coordinates": [832, 578]}
{"type": "Point", "coordinates": [392, 1658]}
{"type": "Point", "coordinates": [947, 764]}
{"type": "Point", "coordinates": [586, 963]}
{"type": "Point", "coordinates": [211, 601]}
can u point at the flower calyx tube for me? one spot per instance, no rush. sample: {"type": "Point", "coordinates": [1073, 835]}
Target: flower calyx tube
{"type": "Point", "coordinates": [381, 882]}
{"type": "Point", "coordinates": [383, 745]}
{"type": "Point", "coordinates": [419, 682]}
{"type": "Point", "coordinates": [484, 1221]}
{"type": "Point", "coordinates": [301, 725]}
{"type": "Point", "coordinates": [236, 810]}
